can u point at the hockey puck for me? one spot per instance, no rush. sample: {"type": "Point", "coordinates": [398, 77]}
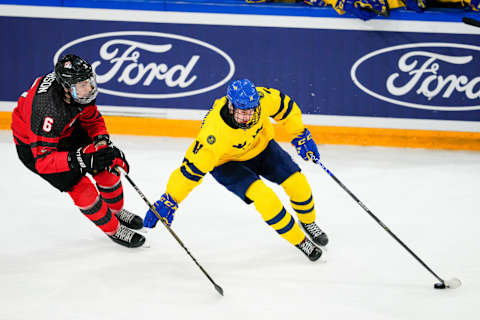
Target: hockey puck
{"type": "Point", "coordinates": [439, 285]}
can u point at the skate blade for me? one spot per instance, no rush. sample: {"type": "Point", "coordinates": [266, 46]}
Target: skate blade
{"type": "Point", "coordinates": [323, 257]}
{"type": "Point", "coordinates": [144, 230]}
{"type": "Point", "coordinates": [146, 244]}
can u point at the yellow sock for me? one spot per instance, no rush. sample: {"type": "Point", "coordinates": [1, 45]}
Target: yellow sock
{"type": "Point", "coordinates": [297, 188]}
{"type": "Point", "coordinates": [267, 203]}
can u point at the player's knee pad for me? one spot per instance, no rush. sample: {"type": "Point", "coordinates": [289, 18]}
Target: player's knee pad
{"type": "Point", "coordinates": [84, 194]}
{"type": "Point", "coordinates": [86, 198]}
{"type": "Point", "coordinates": [110, 187]}
{"type": "Point", "coordinates": [106, 179]}
{"type": "Point", "coordinates": [301, 199]}
{"type": "Point", "coordinates": [270, 207]}
{"type": "Point", "coordinates": [297, 187]}
{"type": "Point", "coordinates": [264, 199]}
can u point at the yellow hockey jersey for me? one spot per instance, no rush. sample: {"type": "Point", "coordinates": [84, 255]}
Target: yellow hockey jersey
{"type": "Point", "coordinates": [218, 143]}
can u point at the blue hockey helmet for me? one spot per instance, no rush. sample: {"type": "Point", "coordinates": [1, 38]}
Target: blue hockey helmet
{"type": "Point", "coordinates": [243, 95]}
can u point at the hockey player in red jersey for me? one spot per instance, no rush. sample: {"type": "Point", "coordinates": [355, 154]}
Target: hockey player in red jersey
{"type": "Point", "coordinates": [61, 136]}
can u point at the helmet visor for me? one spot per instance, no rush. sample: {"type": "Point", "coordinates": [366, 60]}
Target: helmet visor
{"type": "Point", "coordinates": [85, 91]}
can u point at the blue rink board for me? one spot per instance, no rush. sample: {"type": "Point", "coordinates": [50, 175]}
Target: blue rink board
{"type": "Point", "coordinates": [186, 66]}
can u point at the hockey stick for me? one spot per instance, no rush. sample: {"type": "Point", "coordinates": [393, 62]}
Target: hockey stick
{"type": "Point", "coordinates": [452, 283]}
{"type": "Point", "coordinates": [217, 287]}
{"type": "Point", "coordinates": [471, 21]}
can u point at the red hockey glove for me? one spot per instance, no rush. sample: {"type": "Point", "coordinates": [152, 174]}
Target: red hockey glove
{"type": "Point", "coordinates": [118, 160]}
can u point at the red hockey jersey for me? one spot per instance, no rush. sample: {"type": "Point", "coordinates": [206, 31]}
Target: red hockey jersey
{"type": "Point", "coordinates": [42, 118]}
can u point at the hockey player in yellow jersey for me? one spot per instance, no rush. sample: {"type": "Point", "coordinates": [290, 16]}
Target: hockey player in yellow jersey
{"type": "Point", "coordinates": [235, 144]}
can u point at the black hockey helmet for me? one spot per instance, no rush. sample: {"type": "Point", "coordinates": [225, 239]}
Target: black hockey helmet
{"type": "Point", "coordinates": [72, 69]}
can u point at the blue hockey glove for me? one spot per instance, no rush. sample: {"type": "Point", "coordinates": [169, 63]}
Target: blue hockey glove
{"type": "Point", "coordinates": [306, 147]}
{"type": "Point", "coordinates": [165, 207]}
{"type": "Point", "coordinates": [364, 9]}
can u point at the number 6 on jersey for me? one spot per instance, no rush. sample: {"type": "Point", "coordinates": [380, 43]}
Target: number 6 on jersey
{"type": "Point", "coordinates": [47, 124]}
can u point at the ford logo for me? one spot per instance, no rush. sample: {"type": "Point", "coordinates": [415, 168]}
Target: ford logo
{"type": "Point", "coordinates": [152, 65]}
{"type": "Point", "coordinates": [432, 76]}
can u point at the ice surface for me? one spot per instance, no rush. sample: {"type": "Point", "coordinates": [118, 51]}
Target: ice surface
{"type": "Point", "coordinates": [55, 264]}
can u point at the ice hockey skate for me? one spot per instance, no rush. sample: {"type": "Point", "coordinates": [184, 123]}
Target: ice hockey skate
{"type": "Point", "coordinates": [310, 249]}
{"type": "Point", "coordinates": [129, 219]}
{"type": "Point", "coordinates": [127, 237]}
{"type": "Point", "coordinates": [315, 233]}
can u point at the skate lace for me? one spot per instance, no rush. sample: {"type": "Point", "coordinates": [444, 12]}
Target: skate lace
{"type": "Point", "coordinates": [313, 229]}
{"type": "Point", "coordinates": [307, 247]}
{"type": "Point", "coordinates": [125, 216]}
{"type": "Point", "coordinates": [124, 234]}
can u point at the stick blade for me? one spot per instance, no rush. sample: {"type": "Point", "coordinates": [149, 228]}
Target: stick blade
{"type": "Point", "coordinates": [219, 289]}
{"type": "Point", "coordinates": [453, 283]}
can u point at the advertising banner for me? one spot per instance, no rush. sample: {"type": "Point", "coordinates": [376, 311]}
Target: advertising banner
{"type": "Point", "coordinates": [416, 75]}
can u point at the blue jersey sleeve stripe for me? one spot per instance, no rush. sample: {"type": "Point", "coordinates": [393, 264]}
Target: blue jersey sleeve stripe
{"type": "Point", "coordinates": [277, 218]}
{"type": "Point", "coordinates": [193, 168]}
{"type": "Point", "coordinates": [290, 106]}
{"type": "Point", "coordinates": [288, 227]}
{"type": "Point", "coordinates": [188, 175]}
{"type": "Point", "coordinates": [303, 203]}
{"type": "Point", "coordinates": [282, 99]}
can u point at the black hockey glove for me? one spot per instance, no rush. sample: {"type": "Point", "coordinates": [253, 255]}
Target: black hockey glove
{"type": "Point", "coordinates": [118, 156]}
{"type": "Point", "coordinates": [91, 159]}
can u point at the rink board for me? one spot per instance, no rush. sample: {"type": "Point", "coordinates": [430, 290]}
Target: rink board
{"type": "Point", "coordinates": [385, 82]}
{"type": "Point", "coordinates": [432, 139]}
